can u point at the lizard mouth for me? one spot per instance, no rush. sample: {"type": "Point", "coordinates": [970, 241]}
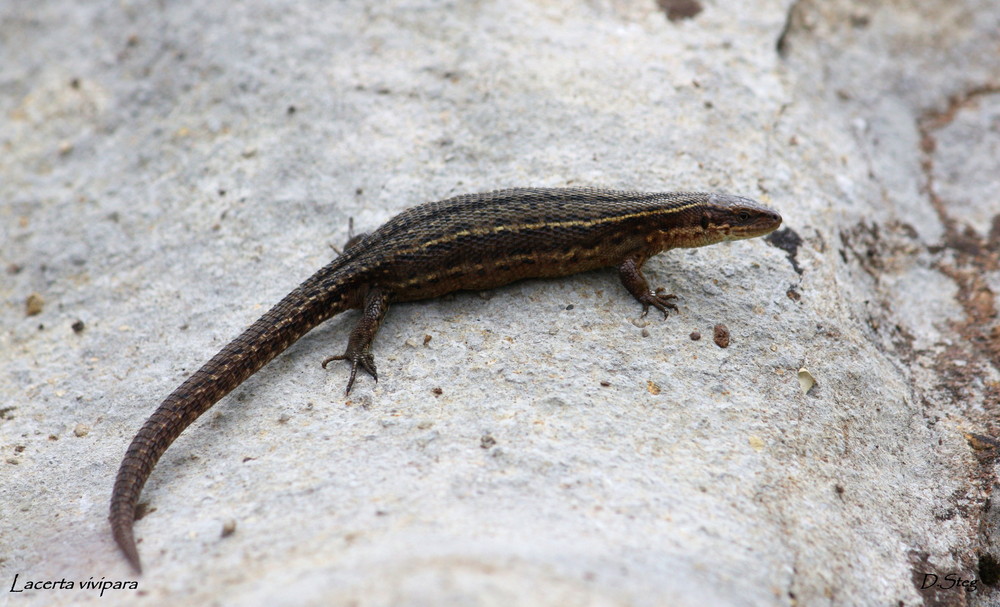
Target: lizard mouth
{"type": "Point", "coordinates": [765, 223]}
{"type": "Point", "coordinates": [751, 223]}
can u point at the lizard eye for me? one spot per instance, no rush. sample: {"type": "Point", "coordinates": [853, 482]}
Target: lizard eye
{"type": "Point", "coordinates": [743, 216]}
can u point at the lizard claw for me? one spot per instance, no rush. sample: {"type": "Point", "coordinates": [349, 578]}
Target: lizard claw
{"type": "Point", "coordinates": [658, 300]}
{"type": "Point", "coordinates": [358, 359]}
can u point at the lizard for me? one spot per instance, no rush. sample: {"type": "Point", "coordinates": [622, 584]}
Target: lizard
{"type": "Point", "coordinates": [467, 242]}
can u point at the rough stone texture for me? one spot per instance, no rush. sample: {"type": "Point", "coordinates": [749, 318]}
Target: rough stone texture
{"type": "Point", "coordinates": [169, 170]}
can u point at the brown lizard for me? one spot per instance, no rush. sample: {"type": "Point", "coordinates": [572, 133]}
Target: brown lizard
{"type": "Point", "coordinates": [476, 241]}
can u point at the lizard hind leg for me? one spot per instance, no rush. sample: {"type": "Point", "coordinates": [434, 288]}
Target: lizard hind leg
{"type": "Point", "coordinates": [359, 345]}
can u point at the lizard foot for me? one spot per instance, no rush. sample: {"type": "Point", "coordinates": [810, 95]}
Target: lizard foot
{"type": "Point", "coordinates": [658, 300]}
{"type": "Point", "coordinates": [358, 359]}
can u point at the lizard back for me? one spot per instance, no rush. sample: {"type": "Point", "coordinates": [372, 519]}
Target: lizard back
{"type": "Point", "coordinates": [483, 241]}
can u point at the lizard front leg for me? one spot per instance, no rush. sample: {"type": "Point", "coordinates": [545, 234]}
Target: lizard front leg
{"type": "Point", "coordinates": [630, 273]}
{"type": "Point", "coordinates": [359, 345]}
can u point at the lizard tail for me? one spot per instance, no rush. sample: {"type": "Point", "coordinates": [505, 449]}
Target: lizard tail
{"type": "Point", "coordinates": [313, 302]}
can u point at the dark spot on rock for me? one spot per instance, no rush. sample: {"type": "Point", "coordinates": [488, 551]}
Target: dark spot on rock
{"type": "Point", "coordinates": [679, 9]}
{"type": "Point", "coordinates": [789, 242]}
{"type": "Point", "coordinates": [721, 335]}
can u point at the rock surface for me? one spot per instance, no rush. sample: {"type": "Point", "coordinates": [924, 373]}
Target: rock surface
{"type": "Point", "coordinates": [169, 171]}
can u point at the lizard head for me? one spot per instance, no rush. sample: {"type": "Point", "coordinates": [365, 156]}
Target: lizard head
{"type": "Point", "coordinates": [728, 217]}
{"type": "Point", "coordinates": [710, 218]}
